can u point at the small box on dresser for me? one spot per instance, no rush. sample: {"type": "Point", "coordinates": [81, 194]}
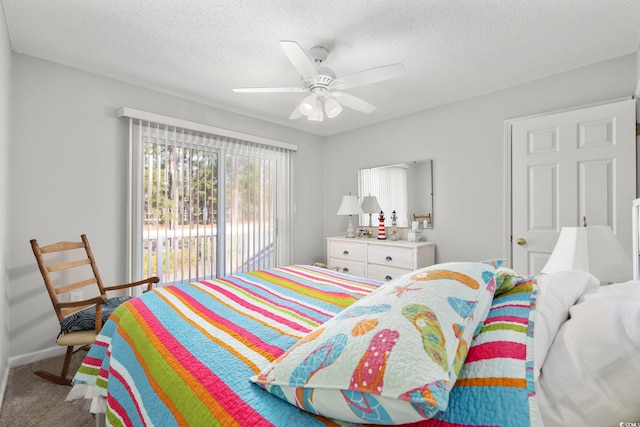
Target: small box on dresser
{"type": "Point", "coordinates": [382, 260]}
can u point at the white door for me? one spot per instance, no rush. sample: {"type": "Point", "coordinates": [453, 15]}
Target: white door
{"type": "Point", "coordinates": [568, 166]}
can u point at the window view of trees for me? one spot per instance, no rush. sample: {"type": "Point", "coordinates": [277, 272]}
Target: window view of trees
{"type": "Point", "coordinates": [180, 212]}
{"type": "Point", "coordinates": [181, 185]}
{"type": "Point", "coordinates": [183, 214]}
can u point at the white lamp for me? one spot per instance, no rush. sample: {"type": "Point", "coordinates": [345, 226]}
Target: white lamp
{"type": "Point", "coordinates": [370, 205]}
{"type": "Point", "coordinates": [594, 249]}
{"type": "Point", "coordinates": [350, 206]}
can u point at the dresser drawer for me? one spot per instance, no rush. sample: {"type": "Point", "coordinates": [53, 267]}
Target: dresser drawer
{"type": "Point", "coordinates": [385, 273]}
{"type": "Point", "coordinates": [393, 256]}
{"type": "Point", "coordinates": [346, 250]}
{"type": "Point", "coordinates": [342, 265]}
{"type": "Point", "coordinates": [378, 259]}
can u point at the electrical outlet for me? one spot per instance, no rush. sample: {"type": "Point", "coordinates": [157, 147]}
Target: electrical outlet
{"type": "Point", "coordinates": [75, 296]}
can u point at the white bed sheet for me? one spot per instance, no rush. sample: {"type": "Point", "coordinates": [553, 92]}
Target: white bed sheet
{"type": "Point", "coordinates": [591, 375]}
{"type": "Point", "coordinates": [557, 293]}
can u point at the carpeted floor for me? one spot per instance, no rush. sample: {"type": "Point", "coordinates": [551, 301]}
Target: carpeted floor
{"type": "Point", "coordinates": [30, 401]}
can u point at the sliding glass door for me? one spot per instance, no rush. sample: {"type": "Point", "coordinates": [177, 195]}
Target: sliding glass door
{"type": "Point", "coordinates": [207, 206]}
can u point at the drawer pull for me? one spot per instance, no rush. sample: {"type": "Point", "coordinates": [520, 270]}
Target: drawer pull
{"type": "Point", "coordinates": [345, 253]}
{"type": "Point", "coordinates": [345, 269]}
{"type": "Point", "coordinates": [388, 258]}
{"type": "Point", "coordinates": [388, 277]}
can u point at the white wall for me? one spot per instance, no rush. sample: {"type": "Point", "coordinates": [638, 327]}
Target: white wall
{"type": "Point", "coordinates": [68, 169]}
{"type": "Point", "coordinates": [638, 76]}
{"type": "Point", "coordinates": [68, 175]}
{"type": "Point", "coordinates": [5, 121]}
{"type": "Point", "coordinates": [466, 142]}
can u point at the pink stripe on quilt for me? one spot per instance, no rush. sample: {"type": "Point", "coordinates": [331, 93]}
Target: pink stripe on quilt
{"type": "Point", "coordinates": [102, 373]}
{"type": "Point", "coordinates": [252, 307]}
{"type": "Point", "coordinates": [334, 282]}
{"type": "Point", "coordinates": [302, 286]}
{"type": "Point", "coordinates": [125, 384]}
{"type": "Point", "coordinates": [212, 316]}
{"type": "Point", "coordinates": [275, 296]}
{"type": "Point", "coordinates": [92, 361]}
{"type": "Point", "coordinates": [497, 349]}
{"type": "Point", "coordinates": [232, 404]}
{"type": "Point", "coordinates": [115, 406]}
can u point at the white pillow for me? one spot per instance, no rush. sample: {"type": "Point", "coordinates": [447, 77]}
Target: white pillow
{"type": "Point", "coordinates": [592, 371]}
{"type": "Point", "coordinates": [557, 292]}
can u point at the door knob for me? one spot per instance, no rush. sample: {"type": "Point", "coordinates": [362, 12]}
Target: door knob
{"type": "Point", "coordinates": [521, 241]}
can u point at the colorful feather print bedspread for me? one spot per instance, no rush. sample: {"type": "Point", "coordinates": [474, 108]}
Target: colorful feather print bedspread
{"type": "Point", "coordinates": [183, 355]}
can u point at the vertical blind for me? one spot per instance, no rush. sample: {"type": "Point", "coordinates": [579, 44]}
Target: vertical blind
{"type": "Point", "coordinates": [388, 184]}
{"type": "Point", "coordinates": [206, 205]}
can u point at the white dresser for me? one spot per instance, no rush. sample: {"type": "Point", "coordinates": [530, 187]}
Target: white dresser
{"type": "Point", "coordinates": [378, 259]}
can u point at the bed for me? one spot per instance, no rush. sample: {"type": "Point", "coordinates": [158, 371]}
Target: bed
{"type": "Point", "coordinates": [246, 350]}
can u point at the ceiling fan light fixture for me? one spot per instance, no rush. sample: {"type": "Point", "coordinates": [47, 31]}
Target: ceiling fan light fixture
{"type": "Point", "coordinates": [332, 107]}
{"type": "Point", "coordinates": [321, 83]}
{"type": "Point", "coordinates": [308, 105]}
{"type": "Point", "coordinates": [317, 114]}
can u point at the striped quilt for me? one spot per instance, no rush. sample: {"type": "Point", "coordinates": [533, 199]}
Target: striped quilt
{"type": "Point", "coordinates": [183, 355]}
{"type": "Point", "coordinates": [496, 386]}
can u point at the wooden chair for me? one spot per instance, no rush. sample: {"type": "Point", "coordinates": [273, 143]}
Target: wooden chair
{"type": "Point", "coordinates": [74, 285]}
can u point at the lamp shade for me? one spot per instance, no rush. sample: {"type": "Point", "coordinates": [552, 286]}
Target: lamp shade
{"type": "Point", "coordinates": [308, 105]}
{"type": "Point", "coordinates": [332, 107]}
{"type": "Point", "coordinates": [316, 114]}
{"type": "Point", "coordinates": [594, 249]}
{"type": "Point", "coordinates": [350, 206]}
{"type": "Point", "coordinates": [370, 204]}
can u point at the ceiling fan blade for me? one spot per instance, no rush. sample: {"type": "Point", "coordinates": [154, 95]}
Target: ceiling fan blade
{"type": "Point", "coordinates": [353, 102]}
{"type": "Point", "coordinates": [269, 89]}
{"type": "Point", "coordinates": [372, 75]}
{"type": "Point", "coordinates": [299, 59]}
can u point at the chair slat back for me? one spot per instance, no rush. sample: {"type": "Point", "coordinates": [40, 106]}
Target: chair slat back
{"type": "Point", "coordinates": [61, 246]}
{"type": "Point", "coordinates": [68, 267]}
{"type": "Point", "coordinates": [76, 285]}
{"type": "Point", "coordinates": [65, 265]}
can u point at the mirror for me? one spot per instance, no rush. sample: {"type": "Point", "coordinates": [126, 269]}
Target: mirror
{"type": "Point", "coordinates": [404, 187]}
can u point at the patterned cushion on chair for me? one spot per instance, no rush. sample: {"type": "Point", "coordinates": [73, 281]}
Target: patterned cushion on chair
{"type": "Point", "coordinates": [85, 320]}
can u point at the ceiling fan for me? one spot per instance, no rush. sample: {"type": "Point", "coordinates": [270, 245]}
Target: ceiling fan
{"type": "Point", "coordinates": [323, 86]}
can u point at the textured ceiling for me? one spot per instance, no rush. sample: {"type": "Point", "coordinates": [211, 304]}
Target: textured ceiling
{"type": "Point", "coordinates": [201, 49]}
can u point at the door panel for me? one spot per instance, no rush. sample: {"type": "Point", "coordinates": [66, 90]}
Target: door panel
{"type": "Point", "coordinates": [566, 166]}
{"type": "Point", "coordinates": [596, 190]}
{"type": "Point", "coordinates": [542, 204]}
{"type": "Point", "coordinates": [537, 261]}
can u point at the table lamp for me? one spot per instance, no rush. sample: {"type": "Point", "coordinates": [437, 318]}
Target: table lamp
{"type": "Point", "coordinates": [594, 249]}
{"type": "Point", "coordinates": [350, 206]}
{"type": "Point", "coordinates": [370, 206]}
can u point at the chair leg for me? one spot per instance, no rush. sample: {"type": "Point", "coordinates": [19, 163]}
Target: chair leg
{"type": "Point", "coordinates": [62, 378]}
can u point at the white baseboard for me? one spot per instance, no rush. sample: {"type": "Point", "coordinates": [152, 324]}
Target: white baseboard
{"type": "Point", "coordinates": [35, 356]}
